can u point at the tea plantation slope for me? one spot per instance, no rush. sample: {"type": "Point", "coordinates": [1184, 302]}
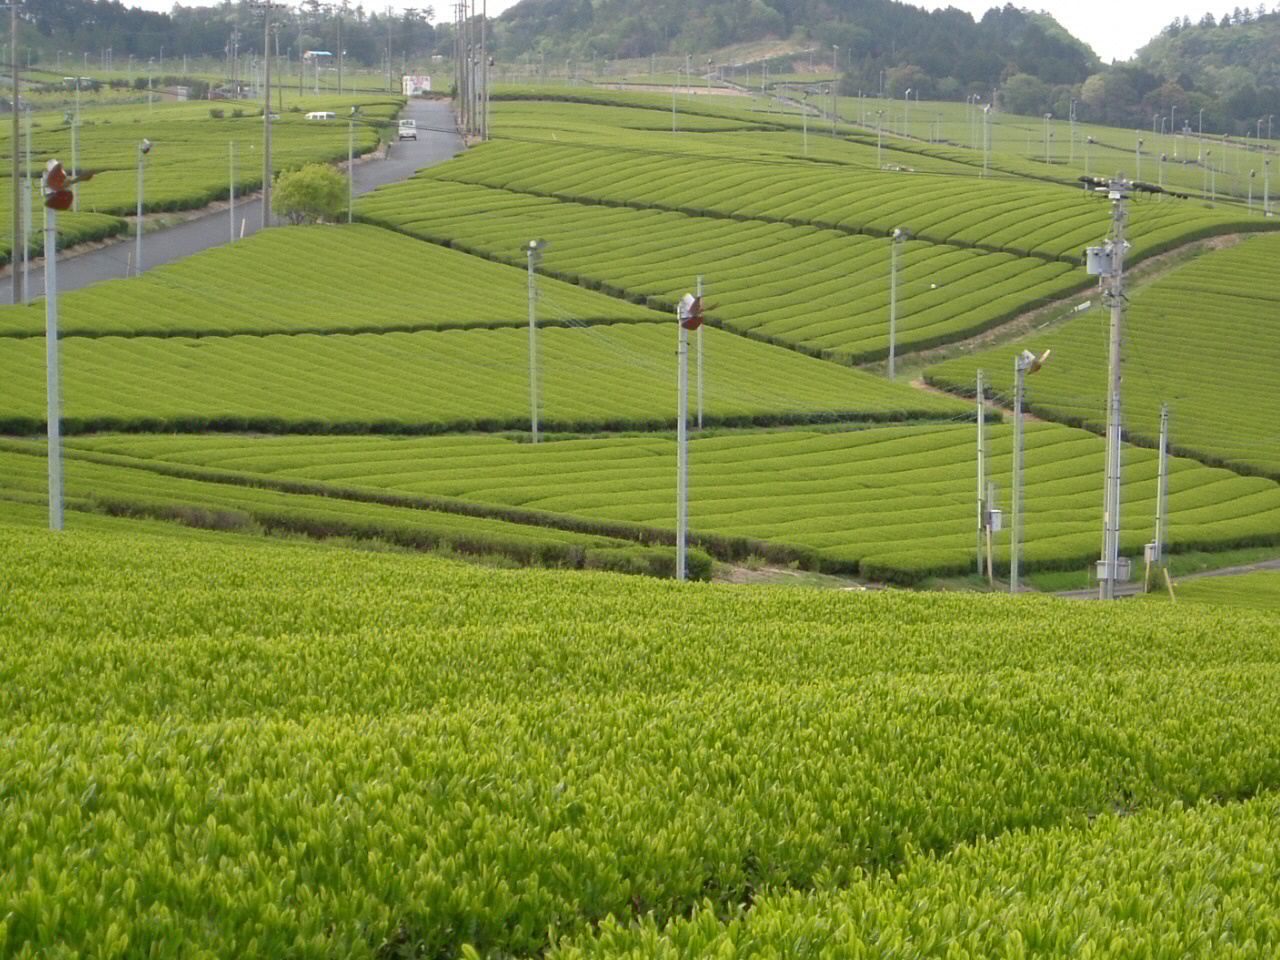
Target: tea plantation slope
{"type": "Point", "coordinates": [432, 756]}
{"type": "Point", "coordinates": [119, 489]}
{"type": "Point", "coordinates": [820, 291]}
{"type": "Point", "coordinates": [893, 502]}
{"type": "Point", "coordinates": [607, 377]}
{"type": "Point", "coordinates": [1205, 339]}
{"type": "Point", "coordinates": [1021, 217]}
{"type": "Point", "coordinates": [298, 280]}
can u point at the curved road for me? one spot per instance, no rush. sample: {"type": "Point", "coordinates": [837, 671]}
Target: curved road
{"type": "Point", "coordinates": [436, 143]}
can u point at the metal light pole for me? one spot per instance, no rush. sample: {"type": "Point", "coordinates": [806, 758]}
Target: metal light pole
{"type": "Point", "coordinates": [906, 111]}
{"type": "Point", "coordinates": [982, 467]}
{"type": "Point", "coordinates": [1137, 154]}
{"type": "Point", "coordinates": [351, 159]}
{"type": "Point", "coordinates": [1156, 549]}
{"type": "Point", "coordinates": [879, 139]}
{"type": "Point", "coordinates": [534, 251]}
{"type": "Point", "coordinates": [689, 316]}
{"type": "Point", "coordinates": [143, 149]}
{"type": "Point", "coordinates": [75, 147]}
{"type": "Point", "coordinates": [27, 218]}
{"type": "Point", "coordinates": [1047, 118]}
{"type": "Point", "coordinates": [986, 138]}
{"type": "Point", "coordinates": [698, 289]}
{"type": "Point", "coordinates": [231, 181]}
{"type": "Point", "coordinates": [57, 196]}
{"type": "Point", "coordinates": [899, 236]}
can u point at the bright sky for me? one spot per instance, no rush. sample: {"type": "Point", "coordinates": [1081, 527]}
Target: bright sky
{"type": "Point", "coordinates": [1114, 28]}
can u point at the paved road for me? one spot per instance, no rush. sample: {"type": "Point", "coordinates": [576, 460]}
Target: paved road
{"type": "Point", "coordinates": [437, 142]}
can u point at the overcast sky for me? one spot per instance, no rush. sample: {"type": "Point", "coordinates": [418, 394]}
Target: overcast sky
{"type": "Point", "coordinates": [1114, 28]}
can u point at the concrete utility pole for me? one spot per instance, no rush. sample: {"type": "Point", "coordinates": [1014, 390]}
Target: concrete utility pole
{"type": "Point", "coordinates": [268, 172]}
{"type": "Point", "coordinates": [1107, 263]}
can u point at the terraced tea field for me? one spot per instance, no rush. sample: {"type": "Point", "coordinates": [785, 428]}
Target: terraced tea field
{"type": "Point", "coordinates": [618, 376]}
{"type": "Point", "coordinates": [819, 290]}
{"type": "Point", "coordinates": [118, 489]}
{"type": "Point", "coordinates": [893, 502]}
{"type": "Point", "coordinates": [395, 738]}
{"type": "Point", "coordinates": [1044, 220]}
{"type": "Point", "coordinates": [253, 286]}
{"type": "Point", "coordinates": [1205, 339]}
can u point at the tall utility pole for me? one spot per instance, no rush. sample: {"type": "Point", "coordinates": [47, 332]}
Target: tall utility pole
{"type": "Point", "coordinates": [19, 289]}
{"type": "Point", "coordinates": [342, 9]}
{"type": "Point", "coordinates": [268, 171]}
{"type": "Point", "coordinates": [1107, 263]}
{"type": "Point", "coordinates": [534, 250]}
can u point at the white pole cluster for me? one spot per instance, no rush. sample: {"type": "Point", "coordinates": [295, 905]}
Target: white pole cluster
{"type": "Point", "coordinates": [1107, 263]}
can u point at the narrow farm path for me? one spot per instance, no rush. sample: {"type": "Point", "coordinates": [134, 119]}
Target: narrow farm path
{"type": "Point", "coordinates": [437, 142]}
{"type": "Point", "coordinates": [1133, 589]}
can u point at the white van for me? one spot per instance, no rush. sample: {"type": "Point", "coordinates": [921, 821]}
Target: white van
{"type": "Point", "coordinates": [408, 130]}
{"type": "Point", "coordinates": [322, 115]}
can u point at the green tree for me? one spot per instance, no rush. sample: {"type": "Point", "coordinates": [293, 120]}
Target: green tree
{"type": "Point", "coordinates": [316, 192]}
{"type": "Point", "coordinates": [1023, 93]}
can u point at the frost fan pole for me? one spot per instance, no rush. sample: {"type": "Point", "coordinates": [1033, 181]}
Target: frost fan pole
{"type": "Point", "coordinates": [699, 296]}
{"type": "Point", "coordinates": [57, 196]}
{"type": "Point", "coordinates": [54, 413]}
{"type": "Point", "coordinates": [982, 470]}
{"type": "Point", "coordinates": [689, 315]}
{"type": "Point", "coordinates": [534, 251]}
{"type": "Point", "coordinates": [1024, 363]}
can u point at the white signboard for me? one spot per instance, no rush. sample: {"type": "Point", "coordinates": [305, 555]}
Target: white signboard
{"type": "Point", "coordinates": [413, 84]}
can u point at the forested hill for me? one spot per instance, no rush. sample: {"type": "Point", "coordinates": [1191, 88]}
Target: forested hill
{"type": "Point", "coordinates": [1229, 66]}
{"type": "Point", "coordinates": [951, 50]}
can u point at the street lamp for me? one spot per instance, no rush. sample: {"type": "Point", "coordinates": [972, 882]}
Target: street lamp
{"type": "Point", "coordinates": [906, 111]}
{"type": "Point", "coordinates": [1137, 153]}
{"type": "Point", "coordinates": [1047, 118]}
{"type": "Point", "coordinates": [143, 149]}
